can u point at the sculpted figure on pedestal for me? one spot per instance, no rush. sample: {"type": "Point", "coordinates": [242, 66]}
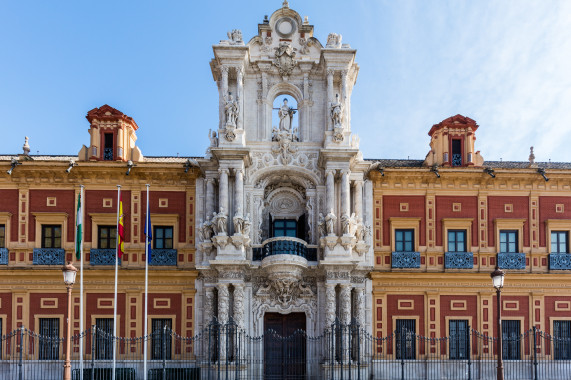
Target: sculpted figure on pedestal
{"type": "Point", "coordinates": [238, 223]}
{"type": "Point", "coordinates": [330, 220]}
{"type": "Point", "coordinates": [286, 114]}
{"type": "Point", "coordinates": [231, 110]}
{"type": "Point", "coordinates": [360, 230]}
{"type": "Point", "coordinates": [247, 225]}
{"type": "Point", "coordinates": [336, 112]}
{"type": "Point", "coordinates": [322, 226]}
{"type": "Point", "coordinates": [221, 221]}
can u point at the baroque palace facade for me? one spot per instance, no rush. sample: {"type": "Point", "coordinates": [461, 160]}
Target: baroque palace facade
{"type": "Point", "coordinates": [283, 224]}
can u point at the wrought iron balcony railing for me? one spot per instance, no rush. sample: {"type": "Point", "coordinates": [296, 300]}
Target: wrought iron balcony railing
{"type": "Point", "coordinates": [3, 256]}
{"type": "Point", "coordinates": [49, 256]}
{"type": "Point", "coordinates": [405, 260]}
{"type": "Point", "coordinates": [163, 257]}
{"type": "Point", "coordinates": [560, 261]}
{"type": "Point", "coordinates": [458, 260]}
{"type": "Point", "coordinates": [285, 245]}
{"type": "Point", "coordinates": [102, 257]}
{"type": "Point", "coordinates": [511, 260]}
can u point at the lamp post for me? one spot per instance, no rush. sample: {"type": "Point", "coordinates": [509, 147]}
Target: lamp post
{"type": "Point", "coordinates": [69, 272]}
{"type": "Point", "coordinates": [498, 282]}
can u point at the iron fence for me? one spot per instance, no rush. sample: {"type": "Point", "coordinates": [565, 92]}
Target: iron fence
{"type": "Point", "coordinates": [225, 351]}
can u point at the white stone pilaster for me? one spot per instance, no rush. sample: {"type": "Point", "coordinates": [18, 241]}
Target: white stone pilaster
{"type": "Point", "coordinates": [209, 197]}
{"type": "Point", "coordinates": [358, 197]}
{"type": "Point", "coordinates": [239, 193]}
{"type": "Point", "coordinates": [239, 305]}
{"type": "Point", "coordinates": [345, 193]}
{"type": "Point", "coordinates": [330, 305]}
{"type": "Point", "coordinates": [330, 188]}
{"type": "Point", "coordinates": [223, 190]}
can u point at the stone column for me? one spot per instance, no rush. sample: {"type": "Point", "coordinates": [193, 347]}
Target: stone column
{"type": "Point", "coordinates": [345, 193]}
{"type": "Point", "coordinates": [209, 197]}
{"type": "Point", "coordinates": [223, 310]}
{"type": "Point", "coordinates": [239, 90]}
{"type": "Point", "coordinates": [239, 194]}
{"type": "Point", "coordinates": [305, 86]}
{"type": "Point", "coordinates": [223, 190]}
{"type": "Point", "coordinates": [358, 197]}
{"type": "Point", "coordinates": [330, 305]}
{"type": "Point", "coordinates": [345, 317]}
{"type": "Point", "coordinates": [360, 306]}
{"type": "Point", "coordinates": [330, 189]}
{"type": "Point", "coordinates": [224, 72]}
{"type": "Point", "coordinates": [239, 305]}
{"type": "Point", "coordinates": [330, 96]}
{"type": "Point", "coordinates": [208, 305]}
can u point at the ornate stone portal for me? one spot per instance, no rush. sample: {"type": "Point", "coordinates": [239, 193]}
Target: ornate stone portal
{"type": "Point", "coordinates": [286, 214]}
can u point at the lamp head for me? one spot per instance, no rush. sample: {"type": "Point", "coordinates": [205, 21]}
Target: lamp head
{"type": "Point", "coordinates": [69, 272]}
{"type": "Point", "coordinates": [498, 278]}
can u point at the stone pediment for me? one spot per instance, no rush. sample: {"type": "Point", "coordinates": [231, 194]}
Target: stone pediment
{"type": "Point", "coordinates": [108, 113]}
{"type": "Point", "coordinates": [457, 121]}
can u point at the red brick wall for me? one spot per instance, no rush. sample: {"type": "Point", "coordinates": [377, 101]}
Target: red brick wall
{"type": "Point", "coordinates": [512, 313]}
{"type": "Point", "coordinates": [496, 209]}
{"type": "Point", "coordinates": [94, 204]}
{"type": "Point", "coordinates": [547, 211]}
{"type": "Point", "coordinates": [444, 210]}
{"type": "Point", "coordinates": [174, 309]}
{"type": "Point", "coordinates": [65, 202]}
{"type": "Point", "coordinates": [6, 308]}
{"type": "Point", "coordinates": [106, 312]}
{"type": "Point", "coordinates": [35, 308]}
{"type": "Point", "coordinates": [550, 311]}
{"type": "Point", "coordinates": [176, 205]}
{"type": "Point", "coordinates": [391, 209]}
{"type": "Point", "coordinates": [9, 203]}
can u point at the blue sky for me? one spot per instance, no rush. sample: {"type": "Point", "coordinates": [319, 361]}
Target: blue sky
{"type": "Point", "coordinates": [506, 64]}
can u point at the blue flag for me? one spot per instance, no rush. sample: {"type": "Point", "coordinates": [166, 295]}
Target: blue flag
{"type": "Point", "coordinates": [148, 232]}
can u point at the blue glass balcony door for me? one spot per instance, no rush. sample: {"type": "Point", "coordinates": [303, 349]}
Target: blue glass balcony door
{"type": "Point", "coordinates": [559, 241]}
{"type": "Point", "coordinates": [404, 240]}
{"type": "Point", "coordinates": [508, 241]}
{"type": "Point", "coordinates": [457, 241]}
{"type": "Point", "coordinates": [285, 227]}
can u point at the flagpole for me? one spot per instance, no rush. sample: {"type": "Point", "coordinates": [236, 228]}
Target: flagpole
{"type": "Point", "coordinates": [82, 200]}
{"type": "Point", "coordinates": [148, 219]}
{"type": "Point", "coordinates": [117, 240]}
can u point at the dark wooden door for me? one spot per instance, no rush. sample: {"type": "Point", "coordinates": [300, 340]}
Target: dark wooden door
{"type": "Point", "coordinates": [284, 346]}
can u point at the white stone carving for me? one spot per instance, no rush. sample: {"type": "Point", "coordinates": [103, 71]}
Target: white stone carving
{"type": "Point", "coordinates": [330, 220]}
{"type": "Point", "coordinates": [285, 148]}
{"type": "Point", "coordinates": [238, 223]}
{"type": "Point", "coordinates": [333, 41]}
{"type": "Point", "coordinates": [235, 37]}
{"type": "Point", "coordinates": [330, 307]}
{"type": "Point", "coordinates": [239, 304]}
{"type": "Point", "coordinates": [322, 226]}
{"type": "Point", "coordinates": [208, 304]}
{"type": "Point", "coordinates": [336, 112]}
{"type": "Point", "coordinates": [285, 204]}
{"type": "Point", "coordinates": [305, 45]}
{"type": "Point", "coordinates": [220, 220]}
{"type": "Point", "coordinates": [231, 110]}
{"type": "Point", "coordinates": [284, 58]}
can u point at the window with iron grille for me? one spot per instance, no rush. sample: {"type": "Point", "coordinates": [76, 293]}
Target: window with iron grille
{"type": "Point", "coordinates": [106, 237]}
{"type": "Point", "coordinates": [51, 236]}
{"type": "Point", "coordinates": [511, 340]}
{"type": "Point", "coordinates": [456, 240]}
{"type": "Point", "coordinates": [405, 339]}
{"type": "Point", "coordinates": [404, 240]}
{"type": "Point", "coordinates": [508, 241]}
{"type": "Point", "coordinates": [161, 340]}
{"type": "Point", "coordinates": [163, 237]}
{"type": "Point", "coordinates": [459, 339]}
{"type": "Point", "coordinates": [2, 236]}
{"type": "Point", "coordinates": [108, 147]}
{"type": "Point", "coordinates": [562, 340]}
{"type": "Point", "coordinates": [456, 152]}
{"type": "Point", "coordinates": [49, 339]}
{"type": "Point", "coordinates": [559, 241]}
{"type": "Point", "coordinates": [104, 339]}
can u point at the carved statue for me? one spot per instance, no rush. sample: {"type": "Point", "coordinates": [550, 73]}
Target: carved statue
{"type": "Point", "coordinates": [247, 225]}
{"type": "Point", "coordinates": [213, 138]}
{"type": "Point", "coordinates": [333, 40]}
{"type": "Point", "coordinates": [238, 223]}
{"type": "Point", "coordinates": [330, 220]}
{"type": "Point", "coordinates": [346, 224]}
{"type": "Point", "coordinates": [360, 230]}
{"type": "Point", "coordinates": [336, 112]}
{"type": "Point", "coordinates": [231, 110]}
{"type": "Point", "coordinates": [223, 303]}
{"type": "Point", "coordinates": [330, 308]}
{"type": "Point", "coordinates": [221, 221]}
{"type": "Point", "coordinates": [239, 304]}
{"type": "Point", "coordinates": [235, 36]}
{"type": "Point", "coordinates": [284, 58]}
{"type": "Point", "coordinates": [322, 226]}
{"type": "Point", "coordinates": [286, 114]}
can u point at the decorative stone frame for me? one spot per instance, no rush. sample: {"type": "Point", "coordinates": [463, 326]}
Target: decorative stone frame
{"type": "Point", "coordinates": [283, 88]}
{"type": "Point", "coordinates": [100, 219]}
{"type": "Point", "coordinates": [5, 220]}
{"type": "Point", "coordinates": [509, 224]}
{"type": "Point", "coordinates": [45, 218]}
{"type": "Point", "coordinates": [457, 224]}
{"type": "Point", "coordinates": [62, 333]}
{"type": "Point", "coordinates": [310, 315]}
{"type": "Point", "coordinates": [397, 223]}
{"type": "Point", "coordinates": [149, 331]}
{"type": "Point", "coordinates": [293, 214]}
{"type": "Point", "coordinates": [168, 220]}
{"type": "Point", "coordinates": [449, 318]}
{"type": "Point", "coordinates": [555, 225]}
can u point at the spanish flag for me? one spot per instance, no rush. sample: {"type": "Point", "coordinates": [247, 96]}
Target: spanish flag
{"type": "Point", "coordinates": [121, 228]}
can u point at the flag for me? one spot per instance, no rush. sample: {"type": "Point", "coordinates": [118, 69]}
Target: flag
{"type": "Point", "coordinates": [121, 229]}
{"type": "Point", "coordinates": [148, 232]}
{"type": "Point", "coordinates": [78, 228]}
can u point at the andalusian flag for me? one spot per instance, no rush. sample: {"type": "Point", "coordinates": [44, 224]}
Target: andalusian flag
{"type": "Point", "coordinates": [78, 228]}
{"type": "Point", "coordinates": [121, 228]}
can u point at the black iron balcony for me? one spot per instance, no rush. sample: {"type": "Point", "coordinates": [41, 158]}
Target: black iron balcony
{"type": "Point", "coordinates": [560, 261]}
{"type": "Point", "coordinates": [163, 257]}
{"type": "Point", "coordinates": [49, 256]}
{"type": "Point", "coordinates": [458, 260]}
{"type": "Point", "coordinates": [3, 256]}
{"type": "Point", "coordinates": [285, 245]}
{"type": "Point", "coordinates": [103, 257]}
{"type": "Point", "coordinates": [514, 260]}
{"type": "Point", "coordinates": [405, 260]}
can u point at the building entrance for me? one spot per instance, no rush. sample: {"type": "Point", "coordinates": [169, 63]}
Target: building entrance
{"type": "Point", "coordinates": [284, 346]}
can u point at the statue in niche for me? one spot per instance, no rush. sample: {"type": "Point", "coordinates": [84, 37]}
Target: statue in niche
{"type": "Point", "coordinates": [286, 115]}
{"type": "Point", "coordinates": [322, 226]}
{"type": "Point", "coordinates": [330, 220]}
{"type": "Point", "coordinates": [336, 112]}
{"type": "Point", "coordinates": [360, 230]}
{"type": "Point", "coordinates": [346, 223]}
{"type": "Point", "coordinates": [231, 110]}
{"type": "Point", "coordinates": [238, 223]}
{"type": "Point", "coordinates": [247, 225]}
{"type": "Point", "coordinates": [221, 221]}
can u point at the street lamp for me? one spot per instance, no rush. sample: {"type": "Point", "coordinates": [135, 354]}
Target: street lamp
{"type": "Point", "coordinates": [498, 282]}
{"type": "Point", "coordinates": [69, 272]}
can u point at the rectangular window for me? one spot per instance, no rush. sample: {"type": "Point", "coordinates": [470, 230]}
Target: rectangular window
{"type": "Point", "coordinates": [161, 340]}
{"type": "Point", "coordinates": [508, 241]}
{"type": "Point", "coordinates": [107, 237]}
{"type": "Point", "coordinates": [511, 340]}
{"type": "Point", "coordinates": [163, 237]}
{"type": "Point", "coordinates": [49, 339]}
{"type": "Point", "coordinates": [406, 339]}
{"type": "Point", "coordinates": [404, 240]}
{"type": "Point", "coordinates": [2, 236]}
{"type": "Point", "coordinates": [108, 147]}
{"type": "Point", "coordinates": [562, 340]}
{"type": "Point", "coordinates": [51, 236]}
{"type": "Point", "coordinates": [457, 241]}
{"type": "Point", "coordinates": [459, 339]}
{"type": "Point", "coordinates": [285, 227]}
{"type": "Point", "coordinates": [104, 339]}
{"type": "Point", "coordinates": [456, 152]}
{"type": "Point", "coordinates": [559, 241]}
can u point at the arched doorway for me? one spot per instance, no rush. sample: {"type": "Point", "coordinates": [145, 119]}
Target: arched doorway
{"type": "Point", "coordinates": [284, 346]}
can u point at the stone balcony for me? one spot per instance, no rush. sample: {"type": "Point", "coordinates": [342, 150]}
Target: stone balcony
{"type": "Point", "coordinates": [511, 260]}
{"type": "Point", "coordinates": [103, 257]}
{"type": "Point", "coordinates": [3, 256]}
{"type": "Point", "coordinates": [560, 261]}
{"type": "Point", "coordinates": [458, 260]}
{"type": "Point", "coordinates": [285, 246]}
{"type": "Point", "coordinates": [405, 260]}
{"type": "Point", "coordinates": [49, 256]}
